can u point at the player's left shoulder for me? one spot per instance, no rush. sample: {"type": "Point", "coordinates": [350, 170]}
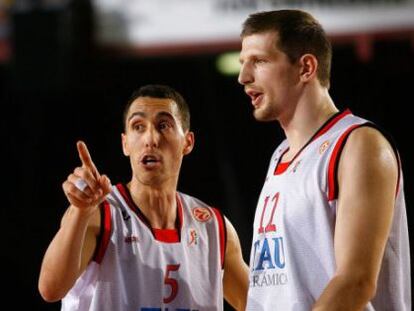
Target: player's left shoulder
{"type": "Point", "coordinates": [368, 147]}
{"type": "Point", "coordinates": [369, 140]}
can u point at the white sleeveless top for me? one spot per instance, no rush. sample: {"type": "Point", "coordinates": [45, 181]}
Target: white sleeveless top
{"type": "Point", "coordinates": [292, 256]}
{"type": "Point", "coordinates": [137, 268]}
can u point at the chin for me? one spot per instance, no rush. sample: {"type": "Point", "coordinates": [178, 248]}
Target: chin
{"type": "Point", "coordinates": [149, 180]}
{"type": "Point", "coordinates": [263, 116]}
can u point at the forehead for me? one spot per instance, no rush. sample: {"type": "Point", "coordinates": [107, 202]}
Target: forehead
{"type": "Point", "coordinates": [259, 43]}
{"type": "Point", "coordinates": [153, 106]}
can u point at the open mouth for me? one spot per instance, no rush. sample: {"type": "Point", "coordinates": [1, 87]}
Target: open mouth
{"type": "Point", "coordinates": [150, 160]}
{"type": "Point", "coordinates": [255, 96]}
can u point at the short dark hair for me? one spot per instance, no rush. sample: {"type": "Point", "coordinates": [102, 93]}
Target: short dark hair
{"type": "Point", "coordinates": [299, 33]}
{"type": "Point", "coordinates": [161, 91]}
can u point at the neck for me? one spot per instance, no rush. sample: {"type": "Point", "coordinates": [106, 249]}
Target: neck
{"type": "Point", "coordinates": [159, 205]}
{"type": "Point", "coordinates": [312, 110]}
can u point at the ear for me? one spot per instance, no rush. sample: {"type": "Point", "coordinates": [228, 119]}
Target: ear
{"type": "Point", "coordinates": [189, 142]}
{"type": "Point", "coordinates": [308, 67]}
{"type": "Point", "coordinates": [124, 145]}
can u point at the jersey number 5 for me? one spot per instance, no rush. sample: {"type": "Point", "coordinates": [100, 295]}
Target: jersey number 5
{"type": "Point", "coordinates": [171, 282]}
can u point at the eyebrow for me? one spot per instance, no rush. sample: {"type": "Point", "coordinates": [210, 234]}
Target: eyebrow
{"type": "Point", "coordinates": [144, 115]}
{"type": "Point", "coordinates": [165, 114]}
{"type": "Point", "coordinates": [138, 113]}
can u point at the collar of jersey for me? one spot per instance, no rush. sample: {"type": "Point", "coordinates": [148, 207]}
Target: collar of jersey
{"type": "Point", "coordinates": [162, 235]}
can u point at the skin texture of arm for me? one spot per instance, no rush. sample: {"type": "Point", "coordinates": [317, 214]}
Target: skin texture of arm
{"type": "Point", "coordinates": [69, 253]}
{"type": "Point", "coordinates": [367, 177]}
{"type": "Point", "coordinates": [236, 271]}
{"type": "Point", "coordinates": [74, 244]}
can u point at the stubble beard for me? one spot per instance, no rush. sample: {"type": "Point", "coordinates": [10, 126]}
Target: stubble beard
{"type": "Point", "coordinates": [265, 113]}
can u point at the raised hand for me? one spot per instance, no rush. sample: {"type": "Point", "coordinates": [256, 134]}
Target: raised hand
{"type": "Point", "coordinates": [85, 188]}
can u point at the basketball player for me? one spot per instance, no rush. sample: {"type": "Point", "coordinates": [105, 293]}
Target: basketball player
{"type": "Point", "coordinates": [143, 246]}
{"type": "Point", "coordinates": [330, 230]}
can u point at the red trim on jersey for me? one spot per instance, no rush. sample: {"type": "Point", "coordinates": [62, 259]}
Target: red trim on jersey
{"type": "Point", "coordinates": [128, 199]}
{"type": "Point", "coordinates": [166, 235]}
{"type": "Point", "coordinates": [105, 232]}
{"type": "Point", "coordinates": [333, 163]}
{"type": "Point", "coordinates": [281, 168]}
{"type": "Point", "coordinates": [336, 153]}
{"type": "Point", "coordinates": [123, 190]}
{"type": "Point", "coordinates": [222, 234]}
{"type": "Point", "coordinates": [399, 171]}
{"type": "Point", "coordinates": [179, 215]}
{"type": "Point", "coordinates": [322, 130]}
{"type": "Point", "coordinates": [331, 123]}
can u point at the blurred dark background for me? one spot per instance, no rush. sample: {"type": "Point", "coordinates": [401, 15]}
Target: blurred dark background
{"type": "Point", "coordinates": [57, 86]}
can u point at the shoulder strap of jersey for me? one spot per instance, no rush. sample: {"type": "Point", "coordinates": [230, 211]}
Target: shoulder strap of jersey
{"type": "Point", "coordinates": [105, 234]}
{"type": "Point", "coordinates": [222, 233]}
{"type": "Point", "coordinates": [333, 186]}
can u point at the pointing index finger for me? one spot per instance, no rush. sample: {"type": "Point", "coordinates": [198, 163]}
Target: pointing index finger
{"type": "Point", "coordinates": [85, 157]}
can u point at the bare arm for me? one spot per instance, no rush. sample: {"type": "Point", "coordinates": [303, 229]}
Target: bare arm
{"type": "Point", "coordinates": [73, 246]}
{"type": "Point", "coordinates": [367, 176]}
{"type": "Point", "coordinates": [236, 272]}
{"type": "Point", "coordinates": [68, 254]}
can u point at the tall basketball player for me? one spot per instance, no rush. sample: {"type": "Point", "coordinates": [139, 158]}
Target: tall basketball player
{"type": "Point", "coordinates": [330, 231]}
{"type": "Point", "coordinates": [143, 246]}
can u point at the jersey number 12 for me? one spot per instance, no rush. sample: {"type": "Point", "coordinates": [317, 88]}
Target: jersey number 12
{"type": "Point", "coordinates": [270, 227]}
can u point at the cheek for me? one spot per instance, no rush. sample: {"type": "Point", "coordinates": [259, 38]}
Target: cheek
{"type": "Point", "coordinates": [131, 144]}
{"type": "Point", "coordinates": [267, 77]}
{"type": "Point", "coordinates": [177, 148]}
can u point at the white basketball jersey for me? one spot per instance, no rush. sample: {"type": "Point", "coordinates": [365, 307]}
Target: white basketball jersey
{"type": "Point", "coordinates": [137, 268]}
{"type": "Point", "coordinates": [292, 256]}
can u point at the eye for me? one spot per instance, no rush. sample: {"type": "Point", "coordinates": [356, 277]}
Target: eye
{"type": "Point", "coordinates": [163, 125]}
{"type": "Point", "coordinates": [258, 61]}
{"type": "Point", "coordinates": [137, 126]}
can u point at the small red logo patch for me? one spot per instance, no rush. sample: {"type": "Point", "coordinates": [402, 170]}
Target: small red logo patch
{"type": "Point", "coordinates": [202, 214]}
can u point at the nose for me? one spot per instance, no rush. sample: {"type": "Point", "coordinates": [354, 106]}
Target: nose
{"type": "Point", "coordinates": [245, 75]}
{"type": "Point", "coordinates": [151, 137]}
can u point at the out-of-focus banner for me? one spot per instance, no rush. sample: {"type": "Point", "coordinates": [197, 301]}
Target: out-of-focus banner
{"type": "Point", "coordinates": [5, 50]}
{"type": "Point", "coordinates": [152, 24]}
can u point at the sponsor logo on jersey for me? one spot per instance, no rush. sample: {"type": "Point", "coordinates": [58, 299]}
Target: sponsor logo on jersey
{"type": "Point", "coordinates": [268, 263]}
{"type": "Point", "coordinates": [201, 214]}
{"type": "Point", "coordinates": [131, 239]}
{"type": "Point", "coordinates": [269, 253]}
{"type": "Point", "coordinates": [324, 146]}
{"type": "Point", "coordinates": [268, 279]}
{"type": "Point", "coordinates": [193, 237]}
